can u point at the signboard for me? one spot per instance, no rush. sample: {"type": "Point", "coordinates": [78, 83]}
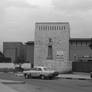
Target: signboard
{"type": "Point", "coordinates": [60, 55]}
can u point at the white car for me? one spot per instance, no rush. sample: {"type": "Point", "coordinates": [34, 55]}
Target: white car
{"type": "Point", "coordinates": [40, 71]}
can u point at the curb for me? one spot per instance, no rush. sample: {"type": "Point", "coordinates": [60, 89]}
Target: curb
{"type": "Point", "coordinates": [13, 82]}
{"type": "Point", "coordinates": [75, 78]}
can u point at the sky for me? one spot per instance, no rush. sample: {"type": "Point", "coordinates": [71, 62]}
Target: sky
{"type": "Point", "coordinates": [18, 17]}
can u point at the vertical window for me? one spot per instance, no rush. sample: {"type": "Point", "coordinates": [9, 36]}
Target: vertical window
{"type": "Point", "coordinates": [43, 27]}
{"type": "Point", "coordinates": [39, 28]}
{"type": "Point", "coordinates": [57, 27]}
{"type": "Point", "coordinates": [52, 27]}
{"type": "Point", "coordinates": [50, 56]}
{"type": "Point", "coordinates": [50, 50]}
{"type": "Point", "coordinates": [48, 27]}
{"type": "Point", "coordinates": [86, 43]}
{"type": "Point", "coordinates": [64, 27]}
{"type": "Point", "coordinates": [81, 43]}
{"type": "Point", "coordinates": [76, 43]}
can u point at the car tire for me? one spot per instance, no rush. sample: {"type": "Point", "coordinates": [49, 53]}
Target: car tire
{"type": "Point", "coordinates": [29, 76]}
{"type": "Point", "coordinates": [42, 77]}
{"type": "Point", "coordinates": [26, 76]}
{"type": "Point", "coordinates": [91, 76]}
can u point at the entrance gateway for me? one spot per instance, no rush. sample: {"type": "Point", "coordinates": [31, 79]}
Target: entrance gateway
{"type": "Point", "coordinates": [51, 47]}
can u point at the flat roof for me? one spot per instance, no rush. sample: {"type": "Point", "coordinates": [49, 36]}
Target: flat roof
{"type": "Point", "coordinates": [80, 39]}
{"type": "Point", "coordinates": [52, 23]}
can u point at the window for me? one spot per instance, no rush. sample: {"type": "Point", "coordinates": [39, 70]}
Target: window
{"type": "Point", "coordinates": [52, 27]}
{"type": "Point", "coordinates": [64, 27]}
{"type": "Point", "coordinates": [48, 27]}
{"type": "Point", "coordinates": [44, 28]}
{"type": "Point", "coordinates": [39, 69]}
{"type": "Point", "coordinates": [57, 27]}
{"type": "Point", "coordinates": [39, 28]}
{"type": "Point", "coordinates": [74, 43]}
{"type": "Point", "coordinates": [86, 43]}
{"type": "Point", "coordinates": [50, 56]}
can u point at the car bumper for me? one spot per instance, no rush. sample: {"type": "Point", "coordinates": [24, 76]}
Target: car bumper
{"type": "Point", "coordinates": [53, 74]}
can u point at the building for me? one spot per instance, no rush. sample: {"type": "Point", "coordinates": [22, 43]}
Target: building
{"type": "Point", "coordinates": [52, 45]}
{"type": "Point", "coordinates": [18, 49]}
{"type": "Point", "coordinates": [80, 49]}
{"type": "Point", "coordinates": [29, 52]}
{"type": "Point", "coordinates": [13, 50]}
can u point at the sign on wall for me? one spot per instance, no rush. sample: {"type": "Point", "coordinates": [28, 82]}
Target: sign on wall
{"type": "Point", "coordinates": [60, 55]}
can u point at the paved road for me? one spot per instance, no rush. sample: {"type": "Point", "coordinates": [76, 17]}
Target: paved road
{"type": "Point", "coordinates": [56, 85]}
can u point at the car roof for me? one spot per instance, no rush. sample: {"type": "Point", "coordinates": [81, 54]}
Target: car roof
{"type": "Point", "coordinates": [39, 67]}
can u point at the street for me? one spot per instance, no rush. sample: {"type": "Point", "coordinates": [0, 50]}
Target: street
{"type": "Point", "coordinates": [55, 85]}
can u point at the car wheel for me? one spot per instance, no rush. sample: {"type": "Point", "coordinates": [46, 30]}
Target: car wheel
{"type": "Point", "coordinates": [29, 76]}
{"type": "Point", "coordinates": [26, 76]}
{"type": "Point", "coordinates": [91, 75]}
{"type": "Point", "coordinates": [42, 77]}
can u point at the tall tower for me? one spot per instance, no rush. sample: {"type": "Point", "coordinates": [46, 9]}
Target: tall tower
{"type": "Point", "coordinates": [51, 46]}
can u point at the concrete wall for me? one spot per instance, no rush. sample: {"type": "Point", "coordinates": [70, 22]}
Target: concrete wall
{"type": "Point", "coordinates": [60, 34]}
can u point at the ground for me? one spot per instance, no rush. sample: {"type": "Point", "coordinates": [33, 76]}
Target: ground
{"type": "Point", "coordinates": [54, 85]}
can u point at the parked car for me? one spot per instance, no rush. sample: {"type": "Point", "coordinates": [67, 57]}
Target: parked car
{"type": "Point", "coordinates": [18, 69]}
{"type": "Point", "coordinates": [40, 71]}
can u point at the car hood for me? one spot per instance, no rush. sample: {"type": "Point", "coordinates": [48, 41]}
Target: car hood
{"type": "Point", "coordinates": [50, 71]}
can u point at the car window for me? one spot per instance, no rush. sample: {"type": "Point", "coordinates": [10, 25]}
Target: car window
{"type": "Point", "coordinates": [39, 69]}
{"type": "Point", "coordinates": [47, 69]}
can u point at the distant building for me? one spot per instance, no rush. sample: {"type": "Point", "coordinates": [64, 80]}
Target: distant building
{"type": "Point", "coordinates": [12, 50]}
{"type": "Point", "coordinates": [18, 49]}
{"type": "Point", "coordinates": [52, 45]}
{"type": "Point", "coordinates": [29, 52]}
{"type": "Point", "coordinates": [80, 50]}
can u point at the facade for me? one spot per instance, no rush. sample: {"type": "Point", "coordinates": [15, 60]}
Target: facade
{"type": "Point", "coordinates": [80, 50]}
{"type": "Point", "coordinates": [18, 49]}
{"type": "Point", "coordinates": [29, 52]}
{"type": "Point", "coordinates": [12, 50]}
{"type": "Point", "coordinates": [51, 46]}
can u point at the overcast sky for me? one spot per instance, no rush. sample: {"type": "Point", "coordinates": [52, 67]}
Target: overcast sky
{"type": "Point", "coordinates": [18, 17]}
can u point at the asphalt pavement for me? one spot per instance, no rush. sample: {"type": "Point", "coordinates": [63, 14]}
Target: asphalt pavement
{"type": "Point", "coordinates": [5, 88]}
{"type": "Point", "coordinates": [76, 75]}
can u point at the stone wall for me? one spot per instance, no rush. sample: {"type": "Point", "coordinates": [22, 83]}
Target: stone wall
{"type": "Point", "coordinates": [56, 35]}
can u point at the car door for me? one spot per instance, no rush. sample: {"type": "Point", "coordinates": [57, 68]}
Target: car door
{"type": "Point", "coordinates": [36, 72]}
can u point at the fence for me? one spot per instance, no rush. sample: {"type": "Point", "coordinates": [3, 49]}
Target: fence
{"type": "Point", "coordinates": [82, 66]}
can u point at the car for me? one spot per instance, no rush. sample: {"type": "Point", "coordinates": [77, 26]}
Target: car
{"type": "Point", "coordinates": [18, 69]}
{"type": "Point", "coordinates": [40, 71]}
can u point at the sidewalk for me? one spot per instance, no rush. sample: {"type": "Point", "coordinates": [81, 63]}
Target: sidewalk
{"type": "Point", "coordinates": [4, 88]}
{"type": "Point", "coordinates": [79, 76]}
